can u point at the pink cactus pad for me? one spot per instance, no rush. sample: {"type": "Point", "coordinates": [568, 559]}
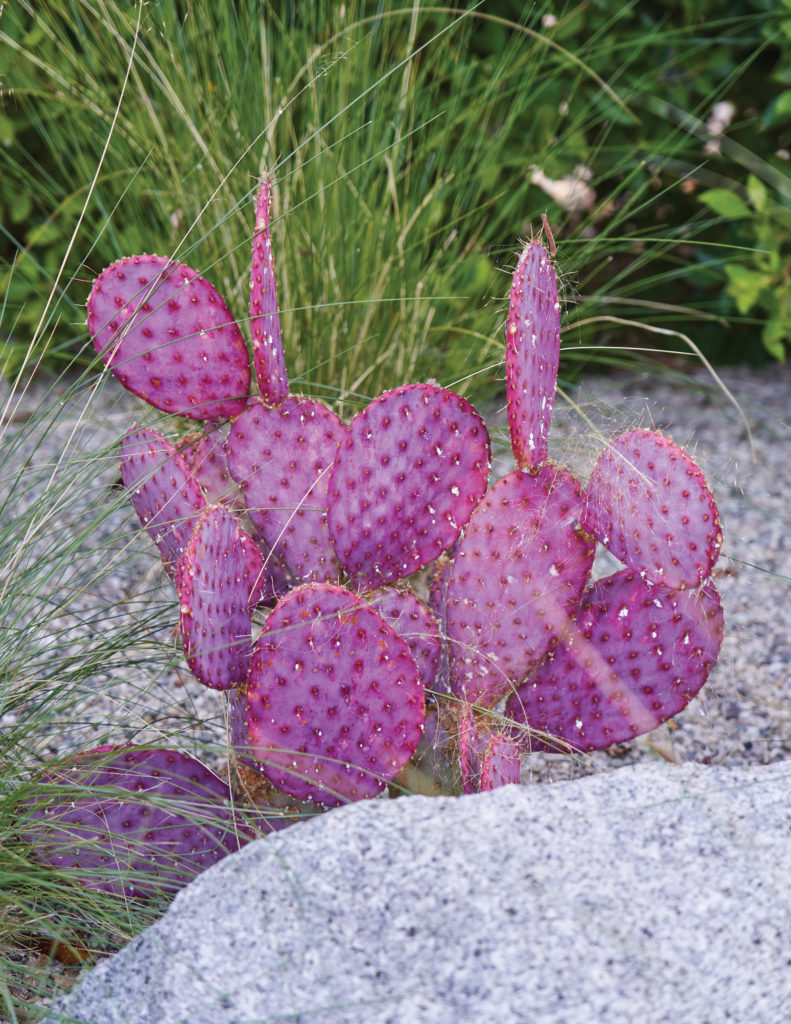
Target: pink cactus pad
{"type": "Point", "coordinates": [639, 654]}
{"type": "Point", "coordinates": [650, 505]}
{"type": "Point", "coordinates": [207, 459]}
{"type": "Point", "coordinates": [164, 493]}
{"type": "Point", "coordinates": [168, 337]}
{"type": "Point", "coordinates": [441, 572]}
{"type": "Point", "coordinates": [532, 352]}
{"type": "Point", "coordinates": [501, 764]}
{"type": "Point", "coordinates": [488, 756]}
{"type": "Point", "coordinates": [516, 581]}
{"type": "Point", "coordinates": [415, 623]}
{"type": "Point", "coordinates": [268, 359]}
{"type": "Point", "coordinates": [218, 577]}
{"type": "Point", "coordinates": [281, 458]}
{"type": "Point", "coordinates": [132, 821]}
{"type": "Point", "coordinates": [405, 482]}
{"type": "Point", "coordinates": [335, 707]}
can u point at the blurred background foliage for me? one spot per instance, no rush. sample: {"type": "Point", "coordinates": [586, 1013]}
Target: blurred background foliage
{"type": "Point", "coordinates": [413, 146]}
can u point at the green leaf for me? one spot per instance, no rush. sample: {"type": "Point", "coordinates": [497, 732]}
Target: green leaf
{"type": "Point", "coordinates": [725, 203]}
{"type": "Point", "coordinates": [778, 110]}
{"type": "Point", "coordinates": [744, 286]}
{"type": "Point", "coordinates": [7, 130]}
{"type": "Point", "coordinates": [774, 336]}
{"type": "Point", "coordinates": [756, 192]}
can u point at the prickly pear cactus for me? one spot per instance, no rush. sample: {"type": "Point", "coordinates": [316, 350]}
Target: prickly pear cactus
{"type": "Point", "coordinates": [297, 545]}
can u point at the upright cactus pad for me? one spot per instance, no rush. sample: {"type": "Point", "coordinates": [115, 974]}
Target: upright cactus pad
{"type": "Point", "coordinates": [163, 491]}
{"type": "Point", "coordinates": [517, 579]}
{"type": "Point", "coordinates": [281, 458]}
{"type": "Point", "coordinates": [335, 707]}
{"type": "Point", "coordinates": [132, 821]}
{"type": "Point", "coordinates": [532, 352]}
{"type": "Point", "coordinates": [650, 505]}
{"type": "Point", "coordinates": [270, 367]}
{"type": "Point", "coordinates": [405, 482]}
{"type": "Point", "coordinates": [637, 656]}
{"type": "Point", "coordinates": [216, 583]}
{"type": "Point", "coordinates": [168, 336]}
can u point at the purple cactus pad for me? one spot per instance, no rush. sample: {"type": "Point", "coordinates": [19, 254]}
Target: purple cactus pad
{"type": "Point", "coordinates": [132, 821]}
{"type": "Point", "coordinates": [501, 764]}
{"type": "Point", "coordinates": [649, 504]}
{"type": "Point", "coordinates": [163, 491]}
{"type": "Point", "coordinates": [207, 459]}
{"type": "Point", "coordinates": [268, 359]}
{"type": "Point", "coordinates": [415, 623]}
{"type": "Point", "coordinates": [638, 655]}
{"type": "Point", "coordinates": [517, 579]}
{"type": "Point", "coordinates": [168, 336]}
{"type": "Point", "coordinates": [532, 352]}
{"type": "Point", "coordinates": [281, 458]}
{"type": "Point", "coordinates": [218, 577]}
{"type": "Point", "coordinates": [335, 707]}
{"type": "Point", "coordinates": [405, 482]}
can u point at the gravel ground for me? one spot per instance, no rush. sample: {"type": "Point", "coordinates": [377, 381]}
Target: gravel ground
{"type": "Point", "coordinates": [743, 715]}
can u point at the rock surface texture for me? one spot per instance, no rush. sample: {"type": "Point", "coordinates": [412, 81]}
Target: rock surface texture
{"type": "Point", "coordinates": [653, 893]}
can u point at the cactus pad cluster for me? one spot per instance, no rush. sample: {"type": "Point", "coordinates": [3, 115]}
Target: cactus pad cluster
{"type": "Point", "coordinates": [298, 544]}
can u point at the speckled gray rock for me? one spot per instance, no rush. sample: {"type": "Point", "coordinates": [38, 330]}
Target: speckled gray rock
{"type": "Point", "coordinates": [652, 893]}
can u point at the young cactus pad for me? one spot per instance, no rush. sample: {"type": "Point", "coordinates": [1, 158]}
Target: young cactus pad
{"type": "Point", "coordinates": [132, 821]}
{"type": "Point", "coordinates": [335, 707]}
{"type": "Point", "coordinates": [270, 366]}
{"type": "Point", "coordinates": [532, 353]}
{"type": "Point", "coordinates": [168, 336]}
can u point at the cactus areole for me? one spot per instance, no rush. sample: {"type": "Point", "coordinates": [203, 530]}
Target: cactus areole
{"type": "Point", "coordinates": [293, 539]}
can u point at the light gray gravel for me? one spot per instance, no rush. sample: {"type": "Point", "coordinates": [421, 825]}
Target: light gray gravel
{"type": "Point", "coordinates": [743, 715]}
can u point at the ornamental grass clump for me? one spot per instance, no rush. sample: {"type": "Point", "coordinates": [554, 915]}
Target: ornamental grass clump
{"type": "Point", "coordinates": [359, 593]}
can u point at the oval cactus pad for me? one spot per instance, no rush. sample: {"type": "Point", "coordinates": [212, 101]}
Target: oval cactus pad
{"type": "Point", "coordinates": [164, 493]}
{"type": "Point", "coordinates": [217, 581]}
{"type": "Point", "coordinates": [649, 504]}
{"type": "Point", "coordinates": [132, 821]}
{"type": "Point", "coordinates": [405, 482]}
{"type": "Point", "coordinates": [335, 708]}
{"type": "Point", "coordinates": [168, 336]}
{"type": "Point", "coordinates": [268, 359]}
{"type": "Point", "coordinates": [639, 654]}
{"type": "Point", "coordinates": [518, 577]}
{"type": "Point", "coordinates": [532, 352]}
{"type": "Point", "coordinates": [281, 458]}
